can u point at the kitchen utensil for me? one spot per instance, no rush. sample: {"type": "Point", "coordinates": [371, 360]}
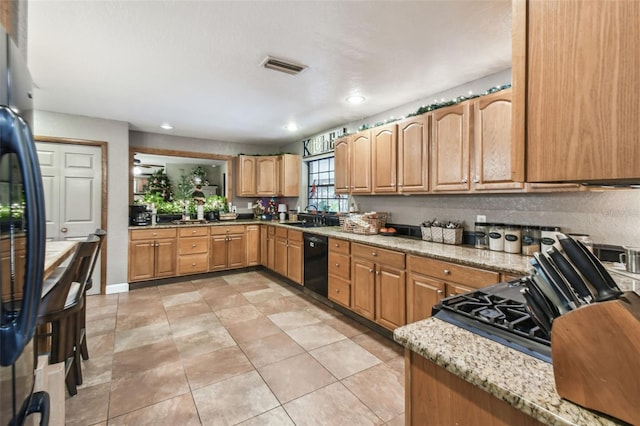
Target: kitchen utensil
{"type": "Point", "coordinates": [545, 289]}
{"type": "Point", "coordinates": [552, 281]}
{"type": "Point", "coordinates": [571, 275]}
{"type": "Point", "coordinates": [550, 309]}
{"type": "Point", "coordinates": [559, 279]}
{"type": "Point", "coordinates": [591, 268]}
{"type": "Point", "coordinates": [536, 312]}
{"type": "Point", "coordinates": [631, 259]}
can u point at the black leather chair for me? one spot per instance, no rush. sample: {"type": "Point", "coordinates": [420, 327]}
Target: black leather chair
{"type": "Point", "coordinates": [61, 307]}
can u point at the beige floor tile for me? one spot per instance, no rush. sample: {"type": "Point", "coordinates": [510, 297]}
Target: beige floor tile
{"type": "Point", "coordinates": [282, 304]}
{"type": "Point", "coordinates": [204, 342]}
{"type": "Point", "coordinates": [232, 316]}
{"type": "Point", "coordinates": [346, 326]}
{"type": "Point", "coordinates": [181, 298]}
{"type": "Point", "coordinates": [212, 367]}
{"type": "Point", "coordinates": [397, 364]}
{"type": "Point", "coordinates": [89, 406]}
{"type": "Point", "coordinates": [380, 388]}
{"type": "Point", "coordinates": [142, 358]}
{"type": "Point", "coordinates": [295, 376]}
{"type": "Point", "coordinates": [195, 324]}
{"type": "Point", "coordinates": [293, 319]}
{"type": "Point", "coordinates": [315, 335]}
{"type": "Point", "coordinates": [234, 400]}
{"type": "Point", "coordinates": [136, 391]}
{"type": "Point", "coordinates": [101, 311]}
{"type": "Point", "coordinates": [396, 421]}
{"type": "Point", "coordinates": [96, 300]}
{"type": "Point", "coordinates": [142, 316]}
{"type": "Point", "coordinates": [209, 282]}
{"type": "Point", "coordinates": [256, 296]}
{"type": "Point", "coordinates": [344, 358]}
{"type": "Point", "coordinates": [217, 290]}
{"type": "Point", "coordinates": [101, 326]}
{"type": "Point", "coordinates": [275, 417]}
{"type": "Point", "coordinates": [383, 348]}
{"type": "Point", "coordinates": [176, 288]}
{"type": "Point", "coordinates": [97, 369]}
{"type": "Point", "coordinates": [141, 336]}
{"type": "Point", "coordinates": [271, 349]}
{"type": "Point", "coordinates": [175, 411]}
{"type": "Point", "coordinates": [187, 310]}
{"type": "Point", "coordinates": [258, 328]}
{"type": "Point", "coordinates": [233, 300]}
{"type": "Point", "coordinates": [331, 405]}
{"type": "Point", "coordinates": [101, 344]}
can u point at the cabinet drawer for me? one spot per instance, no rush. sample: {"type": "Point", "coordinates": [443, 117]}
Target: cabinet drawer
{"type": "Point", "coordinates": [294, 235]}
{"type": "Point", "coordinates": [193, 245]}
{"type": "Point", "coordinates": [281, 232]}
{"type": "Point", "coordinates": [271, 230]}
{"type": "Point", "coordinates": [451, 272]}
{"type": "Point", "coordinates": [340, 265]}
{"type": "Point", "coordinates": [378, 255]}
{"type": "Point", "coordinates": [229, 229]}
{"type": "Point", "coordinates": [339, 291]}
{"type": "Point", "coordinates": [152, 234]}
{"type": "Point", "coordinates": [193, 263]}
{"type": "Point", "coordinates": [199, 231]}
{"type": "Point", "coordinates": [339, 246]}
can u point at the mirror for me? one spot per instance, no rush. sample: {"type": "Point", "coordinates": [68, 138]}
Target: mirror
{"type": "Point", "coordinates": [213, 171]}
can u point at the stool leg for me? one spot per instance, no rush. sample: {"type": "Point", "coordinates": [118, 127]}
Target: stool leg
{"type": "Point", "coordinates": [83, 329]}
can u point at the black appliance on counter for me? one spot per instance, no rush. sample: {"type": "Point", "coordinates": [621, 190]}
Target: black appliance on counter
{"type": "Point", "coordinates": [139, 215]}
{"type": "Point", "coordinates": [316, 263]}
{"type": "Point", "coordinates": [499, 313]}
{"type": "Point", "coordinates": [22, 242]}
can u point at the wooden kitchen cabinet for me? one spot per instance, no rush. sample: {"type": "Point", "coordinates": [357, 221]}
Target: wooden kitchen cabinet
{"type": "Point", "coordinates": [288, 254]}
{"type": "Point", "coordinates": [339, 289]}
{"type": "Point", "coordinates": [413, 155]}
{"type": "Point", "coordinates": [152, 254]}
{"type": "Point", "coordinates": [20, 254]}
{"type": "Point", "coordinates": [267, 175]}
{"type": "Point", "coordinates": [378, 285]}
{"type": "Point", "coordinates": [253, 245]}
{"type": "Point", "coordinates": [360, 161]}
{"type": "Point", "coordinates": [342, 166]}
{"type": "Point", "coordinates": [228, 247]}
{"type": "Point", "coordinates": [384, 148]}
{"type": "Point", "coordinates": [193, 250]}
{"type": "Point", "coordinates": [288, 175]}
{"type": "Point", "coordinates": [246, 176]}
{"type": "Point", "coordinates": [429, 280]}
{"type": "Point", "coordinates": [498, 163]}
{"type": "Point", "coordinates": [577, 106]}
{"type": "Point", "coordinates": [450, 148]}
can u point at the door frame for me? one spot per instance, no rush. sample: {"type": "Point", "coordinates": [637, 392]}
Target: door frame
{"type": "Point", "coordinates": [103, 207]}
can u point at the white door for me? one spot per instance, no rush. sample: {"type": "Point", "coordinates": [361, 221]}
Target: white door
{"type": "Point", "coordinates": [72, 179]}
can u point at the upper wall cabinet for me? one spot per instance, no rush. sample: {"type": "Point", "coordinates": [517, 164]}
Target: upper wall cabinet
{"type": "Point", "coordinates": [413, 155]}
{"type": "Point", "coordinates": [360, 153]}
{"type": "Point", "coordinates": [576, 68]}
{"type": "Point", "coordinates": [342, 167]}
{"type": "Point", "coordinates": [384, 148]}
{"type": "Point", "coordinates": [269, 175]}
{"type": "Point", "coordinates": [450, 148]}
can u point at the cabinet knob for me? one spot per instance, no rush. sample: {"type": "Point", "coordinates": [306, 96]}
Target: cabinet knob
{"type": "Point", "coordinates": [476, 180]}
{"type": "Point", "coordinates": [193, 264]}
{"type": "Point", "coordinates": [155, 233]}
{"type": "Point", "coordinates": [373, 253]}
{"type": "Point", "coordinates": [370, 270]}
{"type": "Point", "coordinates": [193, 245]}
{"type": "Point", "coordinates": [451, 294]}
{"type": "Point", "coordinates": [447, 272]}
{"type": "Point", "coordinates": [377, 272]}
{"type": "Point", "coordinates": [337, 265]}
{"type": "Point", "coordinates": [193, 231]}
{"type": "Point", "coordinates": [337, 291]}
{"type": "Point", "coordinates": [439, 291]}
{"type": "Point", "coordinates": [463, 181]}
{"type": "Point", "coordinates": [337, 245]}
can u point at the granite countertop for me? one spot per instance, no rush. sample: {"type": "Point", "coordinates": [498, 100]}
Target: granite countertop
{"type": "Point", "coordinates": [521, 380]}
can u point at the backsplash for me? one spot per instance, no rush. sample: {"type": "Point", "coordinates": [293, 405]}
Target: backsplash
{"type": "Point", "coordinates": [609, 217]}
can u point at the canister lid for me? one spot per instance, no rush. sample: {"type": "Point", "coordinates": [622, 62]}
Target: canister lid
{"type": "Point", "coordinates": [550, 228]}
{"type": "Point", "coordinates": [481, 224]}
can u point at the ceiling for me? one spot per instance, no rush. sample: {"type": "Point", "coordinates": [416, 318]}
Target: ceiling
{"type": "Point", "coordinates": [197, 64]}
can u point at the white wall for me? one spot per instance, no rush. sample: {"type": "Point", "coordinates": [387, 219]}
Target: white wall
{"type": "Point", "coordinates": [116, 134]}
{"type": "Point", "coordinates": [611, 217]}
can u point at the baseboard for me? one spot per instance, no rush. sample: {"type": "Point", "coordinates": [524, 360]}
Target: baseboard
{"type": "Point", "coordinates": [117, 288]}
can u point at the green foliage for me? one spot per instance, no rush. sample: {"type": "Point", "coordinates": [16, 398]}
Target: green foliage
{"type": "Point", "coordinates": [215, 203]}
{"type": "Point", "coordinates": [16, 210]}
{"type": "Point", "coordinates": [184, 187]}
{"type": "Point", "coordinates": [159, 184]}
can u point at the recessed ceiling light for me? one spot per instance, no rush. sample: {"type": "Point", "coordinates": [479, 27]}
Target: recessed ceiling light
{"type": "Point", "coordinates": [356, 99]}
{"type": "Point", "coordinates": [292, 127]}
{"type": "Point", "coordinates": [166, 126]}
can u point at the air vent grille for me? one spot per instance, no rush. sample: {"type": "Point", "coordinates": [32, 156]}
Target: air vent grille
{"type": "Point", "coordinates": [283, 65]}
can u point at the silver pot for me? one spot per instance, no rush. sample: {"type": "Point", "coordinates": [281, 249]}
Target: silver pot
{"type": "Point", "coordinates": [631, 259]}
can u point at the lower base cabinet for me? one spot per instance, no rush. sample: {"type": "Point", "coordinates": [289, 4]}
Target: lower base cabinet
{"type": "Point", "coordinates": [339, 287]}
{"type": "Point", "coordinates": [228, 248]}
{"type": "Point", "coordinates": [436, 396]}
{"type": "Point", "coordinates": [152, 254]}
{"type": "Point", "coordinates": [288, 254]}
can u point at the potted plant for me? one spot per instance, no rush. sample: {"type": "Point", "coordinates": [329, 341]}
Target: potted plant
{"type": "Point", "coordinates": [199, 176]}
{"type": "Point", "coordinates": [213, 205]}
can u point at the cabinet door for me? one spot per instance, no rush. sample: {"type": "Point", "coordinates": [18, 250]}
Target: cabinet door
{"type": "Point", "coordinates": [294, 261]}
{"type": "Point", "coordinates": [267, 175]}
{"type": "Point", "coordinates": [218, 253]}
{"type": "Point", "coordinates": [360, 151]}
{"type": "Point", "coordinates": [13, 289]}
{"type": "Point", "coordinates": [363, 287]}
{"type": "Point", "coordinates": [384, 145]}
{"type": "Point", "coordinates": [582, 114]}
{"type": "Point", "coordinates": [453, 289]}
{"type": "Point", "coordinates": [342, 165]}
{"type": "Point", "coordinates": [280, 265]}
{"type": "Point", "coordinates": [496, 161]}
{"type": "Point", "coordinates": [246, 176]}
{"type": "Point", "coordinates": [253, 243]}
{"type": "Point", "coordinates": [271, 248]}
{"type": "Point", "coordinates": [413, 155]}
{"type": "Point", "coordinates": [236, 251]}
{"type": "Point", "coordinates": [166, 258]}
{"type": "Point", "coordinates": [288, 175]}
{"type": "Point", "coordinates": [390, 297]}
{"type": "Point", "coordinates": [422, 294]}
{"type": "Point", "coordinates": [450, 139]}
{"type": "Point", "coordinates": [263, 245]}
{"type": "Point", "coordinates": [141, 260]}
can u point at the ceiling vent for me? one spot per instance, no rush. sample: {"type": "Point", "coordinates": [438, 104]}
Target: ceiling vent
{"type": "Point", "coordinates": [282, 65]}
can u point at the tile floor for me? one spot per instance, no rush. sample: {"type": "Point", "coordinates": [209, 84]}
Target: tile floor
{"type": "Point", "coordinates": [243, 348]}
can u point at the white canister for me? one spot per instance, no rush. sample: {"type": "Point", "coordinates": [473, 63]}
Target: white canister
{"type": "Point", "coordinates": [512, 238]}
{"type": "Point", "coordinates": [549, 238]}
{"type": "Point", "coordinates": [200, 211]}
{"type": "Point", "coordinates": [496, 236]}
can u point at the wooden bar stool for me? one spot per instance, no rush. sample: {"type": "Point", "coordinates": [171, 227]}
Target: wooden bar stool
{"type": "Point", "coordinates": [84, 351]}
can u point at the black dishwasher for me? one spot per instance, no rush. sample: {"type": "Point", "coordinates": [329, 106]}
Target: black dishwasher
{"type": "Point", "coordinates": [316, 261]}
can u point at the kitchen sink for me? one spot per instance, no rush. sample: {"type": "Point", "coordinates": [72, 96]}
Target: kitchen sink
{"type": "Point", "coordinates": [306, 224]}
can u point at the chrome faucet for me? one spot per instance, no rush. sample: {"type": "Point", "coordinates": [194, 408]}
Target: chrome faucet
{"type": "Point", "coordinates": [311, 205]}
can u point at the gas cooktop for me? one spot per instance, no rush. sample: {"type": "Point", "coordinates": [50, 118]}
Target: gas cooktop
{"type": "Point", "coordinates": [499, 313]}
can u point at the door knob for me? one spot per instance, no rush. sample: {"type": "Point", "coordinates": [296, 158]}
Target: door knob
{"type": "Point", "coordinates": [64, 230]}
